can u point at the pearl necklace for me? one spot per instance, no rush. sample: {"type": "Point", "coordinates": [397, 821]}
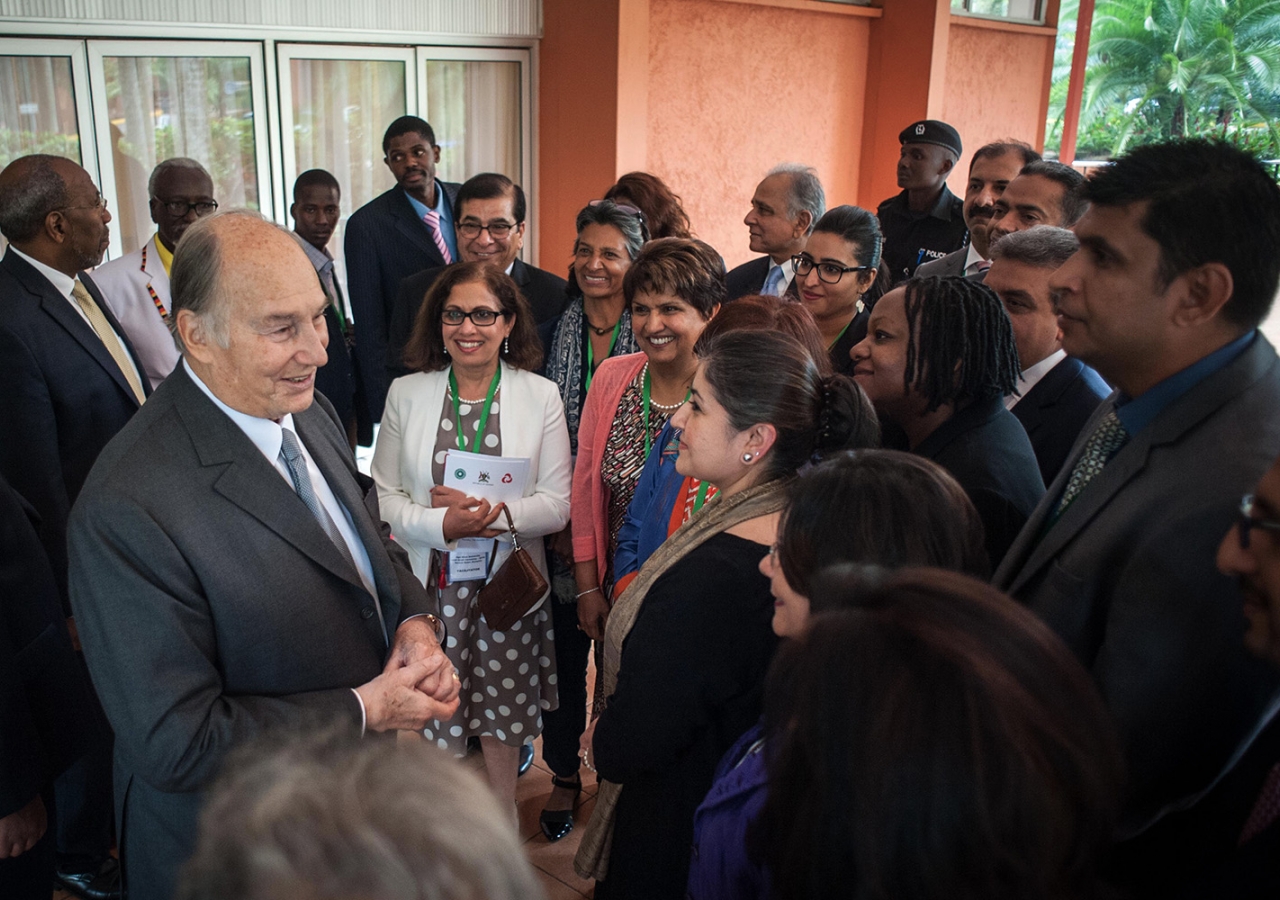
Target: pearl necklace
{"type": "Point", "coordinates": [665, 407]}
{"type": "Point", "coordinates": [462, 399]}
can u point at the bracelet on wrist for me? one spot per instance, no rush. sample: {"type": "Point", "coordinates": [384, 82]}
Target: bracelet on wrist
{"type": "Point", "coordinates": [581, 594]}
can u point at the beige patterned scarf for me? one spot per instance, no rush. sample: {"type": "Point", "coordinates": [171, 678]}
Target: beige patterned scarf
{"type": "Point", "coordinates": [719, 515]}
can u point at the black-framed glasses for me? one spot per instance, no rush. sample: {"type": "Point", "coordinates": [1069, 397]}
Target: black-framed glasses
{"type": "Point", "coordinates": [827, 272]}
{"type": "Point", "coordinates": [497, 230]}
{"type": "Point", "coordinates": [182, 207]}
{"type": "Point", "coordinates": [481, 316]}
{"type": "Point", "coordinates": [1246, 522]}
{"type": "Point", "coordinates": [101, 204]}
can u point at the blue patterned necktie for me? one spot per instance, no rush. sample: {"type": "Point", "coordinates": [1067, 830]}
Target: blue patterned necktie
{"type": "Point", "coordinates": [291, 453]}
{"type": "Point", "coordinates": [772, 282]}
{"type": "Point", "coordinates": [1103, 444]}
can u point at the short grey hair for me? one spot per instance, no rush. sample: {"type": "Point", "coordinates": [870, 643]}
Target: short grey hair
{"type": "Point", "coordinates": [24, 206]}
{"type": "Point", "coordinates": [178, 162]}
{"type": "Point", "coordinates": [1045, 246]}
{"type": "Point", "coordinates": [606, 212]}
{"type": "Point", "coordinates": [806, 191]}
{"type": "Point", "coordinates": [196, 280]}
{"type": "Point", "coordinates": [334, 817]}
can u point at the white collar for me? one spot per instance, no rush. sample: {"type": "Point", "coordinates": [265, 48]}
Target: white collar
{"type": "Point", "coordinates": [1031, 377]}
{"type": "Point", "coordinates": [267, 435]}
{"type": "Point", "coordinates": [972, 257]}
{"type": "Point", "coordinates": [61, 281]}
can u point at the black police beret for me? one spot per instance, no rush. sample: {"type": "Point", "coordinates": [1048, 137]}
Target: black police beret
{"type": "Point", "coordinates": [931, 131]}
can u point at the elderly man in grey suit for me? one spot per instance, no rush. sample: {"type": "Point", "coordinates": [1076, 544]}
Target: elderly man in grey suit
{"type": "Point", "coordinates": [1179, 262]}
{"type": "Point", "coordinates": [229, 570]}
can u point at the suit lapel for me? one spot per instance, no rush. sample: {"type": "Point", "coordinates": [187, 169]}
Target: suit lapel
{"type": "Point", "coordinates": [59, 309]}
{"type": "Point", "coordinates": [408, 224]}
{"type": "Point", "coordinates": [249, 481]}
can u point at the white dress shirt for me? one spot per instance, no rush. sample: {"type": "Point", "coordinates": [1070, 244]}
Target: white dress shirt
{"type": "Point", "coordinates": [1031, 377]}
{"type": "Point", "coordinates": [788, 273]}
{"type": "Point", "coordinates": [971, 260]}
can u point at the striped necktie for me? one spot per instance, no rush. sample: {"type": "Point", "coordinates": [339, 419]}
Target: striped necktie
{"type": "Point", "coordinates": [773, 282]}
{"type": "Point", "coordinates": [102, 328]}
{"type": "Point", "coordinates": [432, 218]}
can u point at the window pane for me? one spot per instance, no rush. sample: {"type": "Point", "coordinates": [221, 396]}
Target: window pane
{"type": "Point", "coordinates": [341, 107]}
{"type": "Point", "coordinates": [37, 108]}
{"type": "Point", "coordinates": [474, 108]}
{"type": "Point", "coordinates": [161, 107]}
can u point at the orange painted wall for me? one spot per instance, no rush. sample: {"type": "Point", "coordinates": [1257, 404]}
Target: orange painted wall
{"type": "Point", "coordinates": [735, 89]}
{"type": "Point", "coordinates": [997, 87]}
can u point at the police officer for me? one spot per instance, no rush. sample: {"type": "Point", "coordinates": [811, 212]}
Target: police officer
{"type": "Point", "coordinates": [926, 220]}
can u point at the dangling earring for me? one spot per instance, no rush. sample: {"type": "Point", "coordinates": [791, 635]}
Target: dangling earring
{"type": "Point", "coordinates": [446, 349]}
{"type": "Point", "coordinates": [506, 346]}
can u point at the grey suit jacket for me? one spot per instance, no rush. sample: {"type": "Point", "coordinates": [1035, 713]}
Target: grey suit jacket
{"type": "Point", "coordinates": [951, 264]}
{"type": "Point", "coordinates": [1126, 577]}
{"type": "Point", "coordinates": [212, 606]}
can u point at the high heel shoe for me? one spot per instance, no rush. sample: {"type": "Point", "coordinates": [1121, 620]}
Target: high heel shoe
{"type": "Point", "coordinates": [556, 823]}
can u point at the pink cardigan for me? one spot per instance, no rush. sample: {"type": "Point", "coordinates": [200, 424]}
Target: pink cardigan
{"type": "Point", "coordinates": [589, 503]}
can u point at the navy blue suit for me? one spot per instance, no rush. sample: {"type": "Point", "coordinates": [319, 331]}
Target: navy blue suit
{"type": "Point", "coordinates": [747, 278]}
{"type": "Point", "coordinates": [385, 243]}
{"type": "Point", "coordinates": [1056, 408]}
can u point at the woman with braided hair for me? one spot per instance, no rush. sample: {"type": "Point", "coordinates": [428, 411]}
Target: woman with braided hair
{"type": "Point", "coordinates": [938, 360]}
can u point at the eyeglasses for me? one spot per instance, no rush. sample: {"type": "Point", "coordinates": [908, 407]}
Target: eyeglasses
{"type": "Point", "coordinates": [631, 211]}
{"type": "Point", "coordinates": [182, 207]}
{"type": "Point", "coordinates": [1246, 522]}
{"type": "Point", "coordinates": [481, 315]}
{"type": "Point", "coordinates": [100, 204]}
{"type": "Point", "coordinates": [827, 272]}
{"type": "Point", "coordinates": [497, 230]}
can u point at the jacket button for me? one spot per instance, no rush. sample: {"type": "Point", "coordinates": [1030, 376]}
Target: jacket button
{"type": "Point", "coordinates": [366, 612]}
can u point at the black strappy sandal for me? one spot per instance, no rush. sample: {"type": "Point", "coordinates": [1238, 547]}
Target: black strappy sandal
{"type": "Point", "coordinates": [556, 823]}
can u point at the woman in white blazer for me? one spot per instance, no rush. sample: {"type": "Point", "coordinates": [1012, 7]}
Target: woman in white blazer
{"type": "Point", "coordinates": [474, 346]}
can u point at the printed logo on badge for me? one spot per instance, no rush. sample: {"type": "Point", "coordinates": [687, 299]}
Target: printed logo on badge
{"type": "Point", "coordinates": [920, 129]}
{"type": "Point", "coordinates": [459, 473]}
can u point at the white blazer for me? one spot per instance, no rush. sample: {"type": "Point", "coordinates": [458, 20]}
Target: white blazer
{"type": "Point", "coordinates": [530, 423]}
{"type": "Point", "coordinates": [124, 283]}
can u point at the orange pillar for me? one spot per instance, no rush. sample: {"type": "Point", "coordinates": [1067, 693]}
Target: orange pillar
{"type": "Point", "coordinates": [1075, 86]}
{"type": "Point", "coordinates": [905, 82]}
{"type": "Point", "coordinates": [593, 111]}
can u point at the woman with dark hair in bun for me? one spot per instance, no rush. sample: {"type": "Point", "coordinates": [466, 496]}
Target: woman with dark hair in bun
{"type": "Point", "coordinates": [688, 643]}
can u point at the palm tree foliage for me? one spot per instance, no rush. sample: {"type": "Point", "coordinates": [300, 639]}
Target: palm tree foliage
{"type": "Point", "coordinates": [1162, 69]}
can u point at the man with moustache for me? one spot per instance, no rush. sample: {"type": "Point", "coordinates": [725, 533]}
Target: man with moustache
{"type": "Point", "coordinates": [489, 213]}
{"type": "Point", "coordinates": [1044, 193]}
{"type": "Point", "coordinates": [229, 570]}
{"type": "Point", "coordinates": [926, 220]}
{"type": "Point", "coordinates": [402, 231]}
{"type": "Point", "coordinates": [71, 382]}
{"type": "Point", "coordinates": [315, 212]}
{"type": "Point", "coordinates": [991, 170]}
{"type": "Point", "coordinates": [137, 284]}
{"type": "Point", "coordinates": [784, 209]}
{"type": "Point", "coordinates": [1117, 558]}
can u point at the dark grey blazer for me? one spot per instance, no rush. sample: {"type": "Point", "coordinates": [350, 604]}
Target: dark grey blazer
{"type": "Point", "coordinates": [1126, 577]}
{"type": "Point", "coordinates": [385, 243]}
{"type": "Point", "coordinates": [212, 606]}
{"type": "Point", "coordinates": [64, 397]}
{"type": "Point", "coordinates": [951, 264]}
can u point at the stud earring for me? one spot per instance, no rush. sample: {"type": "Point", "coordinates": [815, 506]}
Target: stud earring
{"type": "Point", "coordinates": [506, 346]}
{"type": "Point", "coordinates": [747, 457]}
{"type": "Point", "coordinates": [446, 349]}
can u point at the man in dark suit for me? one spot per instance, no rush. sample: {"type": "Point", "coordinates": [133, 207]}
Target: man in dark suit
{"type": "Point", "coordinates": [992, 168]}
{"type": "Point", "coordinates": [1056, 394]}
{"type": "Point", "coordinates": [1118, 557]}
{"type": "Point", "coordinates": [405, 230]}
{"type": "Point", "coordinates": [45, 719]}
{"type": "Point", "coordinates": [315, 212]}
{"type": "Point", "coordinates": [71, 381]}
{"type": "Point", "coordinates": [489, 215]}
{"type": "Point", "coordinates": [784, 209]}
{"type": "Point", "coordinates": [1044, 193]}
{"type": "Point", "coordinates": [229, 570]}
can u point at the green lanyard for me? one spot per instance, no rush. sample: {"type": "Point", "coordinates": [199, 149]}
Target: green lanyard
{"type": "Point", "coordinates": [842, 331]}
{"type": "Point", "coordinates": [591, 354]}
{"type": "Point", "coordinates": [484, 412]}
{"type": "Point", "coordinates": [644, 394]}
{"type": "Point", "coordinates": [702, 496]}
